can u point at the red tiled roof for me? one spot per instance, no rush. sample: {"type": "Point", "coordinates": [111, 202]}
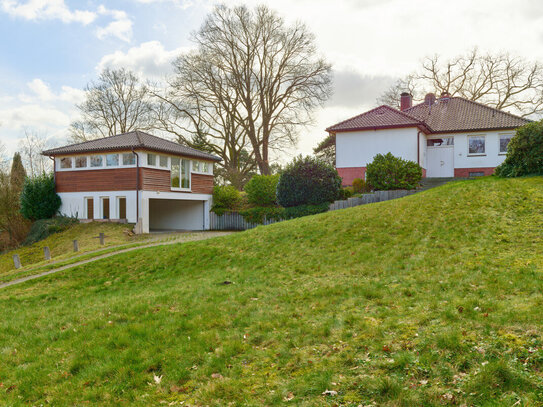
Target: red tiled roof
{"type": "Point", "coordinates": [459, 114]}
{"type": "Point", "coordinates": [134, 139]}
{"type": "Point", "coordinates": [450, 114]}
{"type": "Point", "coordinates": [380, 117]}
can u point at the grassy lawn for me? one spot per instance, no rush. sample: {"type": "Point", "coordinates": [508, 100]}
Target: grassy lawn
{"type": "Point", "coordinates": [61, 244]}
{"type": "Point", "coordinates": [434, 299]}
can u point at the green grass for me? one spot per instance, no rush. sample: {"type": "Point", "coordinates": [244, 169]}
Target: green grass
{"type": "Point", "coordinates": [61, 244]}
{"type": "Point", "coordinates": [430, 300]}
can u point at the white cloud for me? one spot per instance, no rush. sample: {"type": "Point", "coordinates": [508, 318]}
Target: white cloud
{"type": "Point", "coordinates": [46, 10]}
{"type": "Point", "coordinates": [184, 4]}
{"type": "Point", "coordinates": [41, 92]}
{"type": "Point", "coordinates": [120, 27]}
{"type": "Point", "coordinates": [149, 59]}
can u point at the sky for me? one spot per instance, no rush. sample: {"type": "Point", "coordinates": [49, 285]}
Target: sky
{"type": "Point", "coordinates": [50, 49]}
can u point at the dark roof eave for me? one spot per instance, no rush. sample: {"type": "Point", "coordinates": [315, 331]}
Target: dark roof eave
{"type": "Point", "coordinates": [421, 126]}
{"type": "Point", "coordinates": [53, 153]}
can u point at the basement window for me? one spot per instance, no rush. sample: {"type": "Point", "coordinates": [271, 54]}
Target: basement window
{"type": "Point", "coordinates": [476, 174]}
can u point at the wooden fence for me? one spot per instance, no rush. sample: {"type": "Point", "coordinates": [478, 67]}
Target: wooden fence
{"type": "Point", "coordinates": [234, 221]}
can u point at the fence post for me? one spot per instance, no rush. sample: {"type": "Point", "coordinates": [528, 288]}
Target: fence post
{"type": "Point", "coordinates": [76, 246]}
{"type": "Point", "coordinates": [47, 253]}
{"type": "Point", "coordinates": [16, 261]}
{"type": "Point", "coordinates": [101, 236]}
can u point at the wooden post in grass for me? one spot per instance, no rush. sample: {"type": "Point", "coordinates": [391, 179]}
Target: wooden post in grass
{"type": "Point", "coordinates": [102, 238]}
{"type": "Point", "coordinates": [47, 253]}
{"type": "Point", "coordinates": [16, 261]}
{"type": "Point", "coordinates": [76, 246]}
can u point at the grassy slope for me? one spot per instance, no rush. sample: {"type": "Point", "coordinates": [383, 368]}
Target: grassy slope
{"type": "Point", "coordinates": [434, 299]}
{"type": "Point", "coordinates": [62, 247]}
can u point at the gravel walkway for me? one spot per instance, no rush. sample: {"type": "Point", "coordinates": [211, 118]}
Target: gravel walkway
{"type": "Point", "coordinates": [180, 238]}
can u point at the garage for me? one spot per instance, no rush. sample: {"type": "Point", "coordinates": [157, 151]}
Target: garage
{"type": "Point", "coordinates": [173, 214]}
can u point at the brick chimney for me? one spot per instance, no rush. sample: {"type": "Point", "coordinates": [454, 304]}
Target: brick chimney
{"type": "Point", "coordinates": [406, 101]}
{"type": "Point", "coordinates": [429, 99]}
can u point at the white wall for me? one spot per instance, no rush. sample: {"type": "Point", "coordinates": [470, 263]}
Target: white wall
{"type": "Point", "coordinates": [176, 214]}
{"type": "Point", "coordinates": [492, 157]}
{"type": "Point", "coordinates": [73, 204]}
{"type": "Point", "coordinates": [357, 148]}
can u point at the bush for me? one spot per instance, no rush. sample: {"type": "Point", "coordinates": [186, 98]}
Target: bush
{"type": "Point", "coordinates": [225, 198]}
{"type": "Point", "coordinates": [308, 181]}
{"type": "Point", "coordinates": [360, 186]}
{"type": "Point", "coordinates": [46, 227]}
{"type": "Point", "coordinates": [39, 199]}
{"type": "Point", "coordinates": [304, 210]}
{"type": "Point", "coordinates": [259, 213]}
{"type": "Point", "coordinates": [261, 190]}
{"type": "Point", "coordinates": [387, 172]}
{"type": "Point", "coordinates": [347, 192]}
{"type": "Point", "coordinates": [524, 152]}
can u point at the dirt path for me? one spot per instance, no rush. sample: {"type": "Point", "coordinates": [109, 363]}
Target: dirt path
{"type": "Point", "coordinates": [181, 239]}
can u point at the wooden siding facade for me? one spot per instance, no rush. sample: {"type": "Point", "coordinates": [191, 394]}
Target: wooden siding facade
{"type": "Point", "coordinates": [125, 179]}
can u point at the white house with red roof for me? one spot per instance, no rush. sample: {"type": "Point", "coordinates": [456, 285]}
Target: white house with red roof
{"type": "Point", "coordinates": [446, 136]}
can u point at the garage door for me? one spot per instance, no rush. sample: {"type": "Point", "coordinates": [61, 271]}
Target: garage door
{"type": "Point", "coordinates": [169, 214]}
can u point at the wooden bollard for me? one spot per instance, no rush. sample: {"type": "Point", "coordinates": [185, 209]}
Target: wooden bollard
{"type": "Point", "coordinates": [16, 261]}
{"type": "Point", "coordinates": [102, 238]}
{"type": "Point", "coordinates": [76, 246]}
{"type": "Point", "coordinates": [47, 253]}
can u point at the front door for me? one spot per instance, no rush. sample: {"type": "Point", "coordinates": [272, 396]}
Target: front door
{"type": "Point", "coordinates": [440, 158]}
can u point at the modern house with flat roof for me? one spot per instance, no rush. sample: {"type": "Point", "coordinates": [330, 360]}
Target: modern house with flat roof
{"type": "Point", "coordinates": [136, 178]}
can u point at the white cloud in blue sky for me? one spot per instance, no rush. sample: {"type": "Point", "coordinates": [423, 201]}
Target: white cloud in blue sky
{"type": "Point", "coordinates": [50, 49]}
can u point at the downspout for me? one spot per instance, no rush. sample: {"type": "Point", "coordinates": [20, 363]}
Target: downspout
{"type": "Point", "coordinates": [418, 147]}
{"type": "Point", "coordinates": [137, 185]}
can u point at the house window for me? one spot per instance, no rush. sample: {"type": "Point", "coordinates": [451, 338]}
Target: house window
{"type": "Point", "coordinates": [185, 174]}
{"type": "Point", "coordinates": [476, 145]}
{"type": "Point", "coordinates": [504, 142]}
{"type": "Point", "coordinates": [151, 159]}
{"type": "Point", "coordinates": [196, 166]}
{"type": "Point", "coordinates": [80, 162]}
{"type": "Point", "coordinates": [205, 167]}
{"type": "Point", "coordinates": [66, 162]}
{"type": "Point", "coordinates": [96, 161]}
{"type": "Point", "coordinates": [174, 173]}
{"type": "Point", "coordinates": [112, 160]}
{"type": "Point", "coordinates": [163, 161]}
{"type": "Point", "coordinates": [129, 159]}
{"type": "Point", "coordinates": [437, 142]}
{"type": "Point", "coordinates": [477, 174]}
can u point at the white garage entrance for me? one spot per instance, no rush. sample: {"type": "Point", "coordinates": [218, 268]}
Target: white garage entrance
{"type": "Point", "coordinates": [440, 157]}
{"type": "Point", "coordinates": [170, 214]}
{"type": "Point", "coordinates": [165, 211]}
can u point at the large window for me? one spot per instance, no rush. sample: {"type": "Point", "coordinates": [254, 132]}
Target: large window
{"type": "Point", "coordinates": [151, 159]}
{"type": "Point", "coordinates": [66, 162]}
{"type": "Point", "coordinates": [185, 174]}
{"type": "Point", "coordinates": [129, 159]}
{"type": "Point", "coordinates": [195, 166]}
{"type": "Point", "coordinates": [80, 162]}
{"type": "Point", "coordinates": [205, 167]}
{"type": "Point", "coordinates": [96, 161]}
{"type": "Point", "coordinates": [112, 160]}
{"type": "Point", "coordinates": [476, 145]}
{"type": "Point", "coordinates": [174, 173]}
{"type": "Point", "coordinates": [504, 142]}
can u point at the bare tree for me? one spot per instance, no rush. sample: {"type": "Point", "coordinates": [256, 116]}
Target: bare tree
{"type": "Point", "coordinates": [116, 103]}
{"type": "Point", "coordinates": [503, 81]}
{"type": "Point", "coordinates": [31, 146]}
{"type": "Point", "coordinates": [326, 149]}
{"type": "Point", "coordinates": [253, 80]}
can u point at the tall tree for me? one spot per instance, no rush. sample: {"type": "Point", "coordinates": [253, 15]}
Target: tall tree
{"type": "Point", "coordinates": [253, 80]}
{"type": "Point", "coordinates": [118, 102]}
{"type": "Point", "coordinates": [31, 146]}
{"type": "Point", "coordinates": [503, 81]}
{"type": "Point", "coordinates": [18, 173]}
{"type": "Point", "coordinates": [326, 150]}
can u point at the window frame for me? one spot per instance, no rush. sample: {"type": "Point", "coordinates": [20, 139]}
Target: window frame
{"type": "Point", "coordinates": [155, 159]}
{"type": "Point", "coordinates": [85, 157]}
{"type": "Point", "coordinates": [101, 161]}
{"type": "Point", "coordinates": [112, 155]}
{"type": "Point", "coordinates": [121, 161]}
{"type": "Point", "coordinates": [510, 136]}
{"type": "Point", "coordinates": [62, 159]}
{"type": "Point", "coordinates": [469, 137]}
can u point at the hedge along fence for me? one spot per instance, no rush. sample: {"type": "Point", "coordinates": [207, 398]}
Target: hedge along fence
{"type": "Point", "coordinates": [235, 221]}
